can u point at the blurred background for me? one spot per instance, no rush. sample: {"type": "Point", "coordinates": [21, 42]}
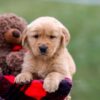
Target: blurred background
{"type": "Point", "coordinates": [82, 18]}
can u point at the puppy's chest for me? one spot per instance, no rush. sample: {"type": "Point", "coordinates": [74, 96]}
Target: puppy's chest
{"type": "Point", "coordinates": [42, 68]}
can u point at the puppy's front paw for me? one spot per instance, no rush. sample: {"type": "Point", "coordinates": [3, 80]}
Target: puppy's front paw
{"type": "Point", "coordinates": [68, 97]}
{"type": "Point", "coordinates": [50, 85]}
{"type": "Point", "coordinates": [23, 78]}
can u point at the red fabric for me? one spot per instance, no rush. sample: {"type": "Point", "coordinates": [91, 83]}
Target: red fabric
{"type": "Point", "coordinates": [17, 48]}
{"type": "Point", "coordinates": [10, 78]}
{"type": "Point", "coordinates": [32, 91]}
{"type": "Point", "coordinates": [35, 89]}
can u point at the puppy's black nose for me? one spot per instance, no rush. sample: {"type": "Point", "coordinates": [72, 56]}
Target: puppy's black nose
{"type": "Point", "coordinates": [43, 49]}
{"type": "Point", "coordinates": [16, 34]}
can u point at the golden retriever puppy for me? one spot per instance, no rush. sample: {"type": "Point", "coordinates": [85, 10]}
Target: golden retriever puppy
{"type": "Point", "coordinates": [47, 57]}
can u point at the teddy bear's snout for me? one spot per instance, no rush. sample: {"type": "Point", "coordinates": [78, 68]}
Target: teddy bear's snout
{"type": "Point", "coordinates": [16, 34]}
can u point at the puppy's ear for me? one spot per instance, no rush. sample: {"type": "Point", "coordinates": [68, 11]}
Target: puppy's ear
{"type": "Point", "coordinates": [24, 39]}
{"type": "Point", "coordinates": [65, 36]}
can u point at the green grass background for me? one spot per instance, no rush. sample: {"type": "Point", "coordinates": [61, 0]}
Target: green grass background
{"type": "Point", "coordinates": [83, 22]}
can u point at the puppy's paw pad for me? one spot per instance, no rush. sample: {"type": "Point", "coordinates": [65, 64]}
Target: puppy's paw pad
{"type": "Point", "coordinates": [23, 78]}
{"type": "Point", "coordinates": [50, 86]}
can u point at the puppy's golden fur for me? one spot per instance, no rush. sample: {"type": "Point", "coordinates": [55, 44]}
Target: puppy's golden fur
{"type": "Point", "coordinates": [56, 63]}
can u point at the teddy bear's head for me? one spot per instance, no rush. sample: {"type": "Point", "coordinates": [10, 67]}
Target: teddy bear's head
{"type": "Point", "coordinates": [11, 28]}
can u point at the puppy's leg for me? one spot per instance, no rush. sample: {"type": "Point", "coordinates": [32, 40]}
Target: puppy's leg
{"type": "Point", "coordinates": [24, 77]}
{"type": "Point", "coordinates": [68, 97]}
{"type": "Point", "coordinates": [27, 70]}
{"type": "Point", "coordinates": [52, 81]}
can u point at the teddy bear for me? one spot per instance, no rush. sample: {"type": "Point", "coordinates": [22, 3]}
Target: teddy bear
{"type": "Point", "coordinates": [11, 52]}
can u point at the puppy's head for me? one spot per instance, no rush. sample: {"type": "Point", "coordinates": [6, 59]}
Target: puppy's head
{"type": "Point", "coordinates": [45, 36]}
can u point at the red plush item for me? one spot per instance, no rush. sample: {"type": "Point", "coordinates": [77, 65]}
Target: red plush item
{"type": "Point", "coordinates": [17, 48]}
{"type": "Point", "coordinates": [35, 89]}
{"type": "Point", "coordinates": [10, 78]}
{"type": "Point", "coordinates": [32, 91]}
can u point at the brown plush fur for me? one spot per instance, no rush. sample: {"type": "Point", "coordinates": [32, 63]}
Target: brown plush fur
{"type": "Point", "coordinates": [11, 28]}
{"type": "Point", "coordinates": [56, 63]}
{"type": "Point", "coordinates": [10, 21]}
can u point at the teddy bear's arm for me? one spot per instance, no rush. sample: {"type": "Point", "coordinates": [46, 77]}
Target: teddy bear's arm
{"type": "Point", "coordinates": [14, 61]}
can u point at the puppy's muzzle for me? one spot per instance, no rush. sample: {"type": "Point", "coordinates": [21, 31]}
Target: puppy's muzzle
{"type": "Point", "coordinates": [43, 49]}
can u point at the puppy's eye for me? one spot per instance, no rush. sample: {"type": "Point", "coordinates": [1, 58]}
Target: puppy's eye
{"type": "Point", "coordinates": [36, 36]}
{"type": "Point", "coordinates": [52, 37]}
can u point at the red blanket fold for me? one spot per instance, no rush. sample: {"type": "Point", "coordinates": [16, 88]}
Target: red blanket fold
{"type": "Point", "coordinates": [32, 91]}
